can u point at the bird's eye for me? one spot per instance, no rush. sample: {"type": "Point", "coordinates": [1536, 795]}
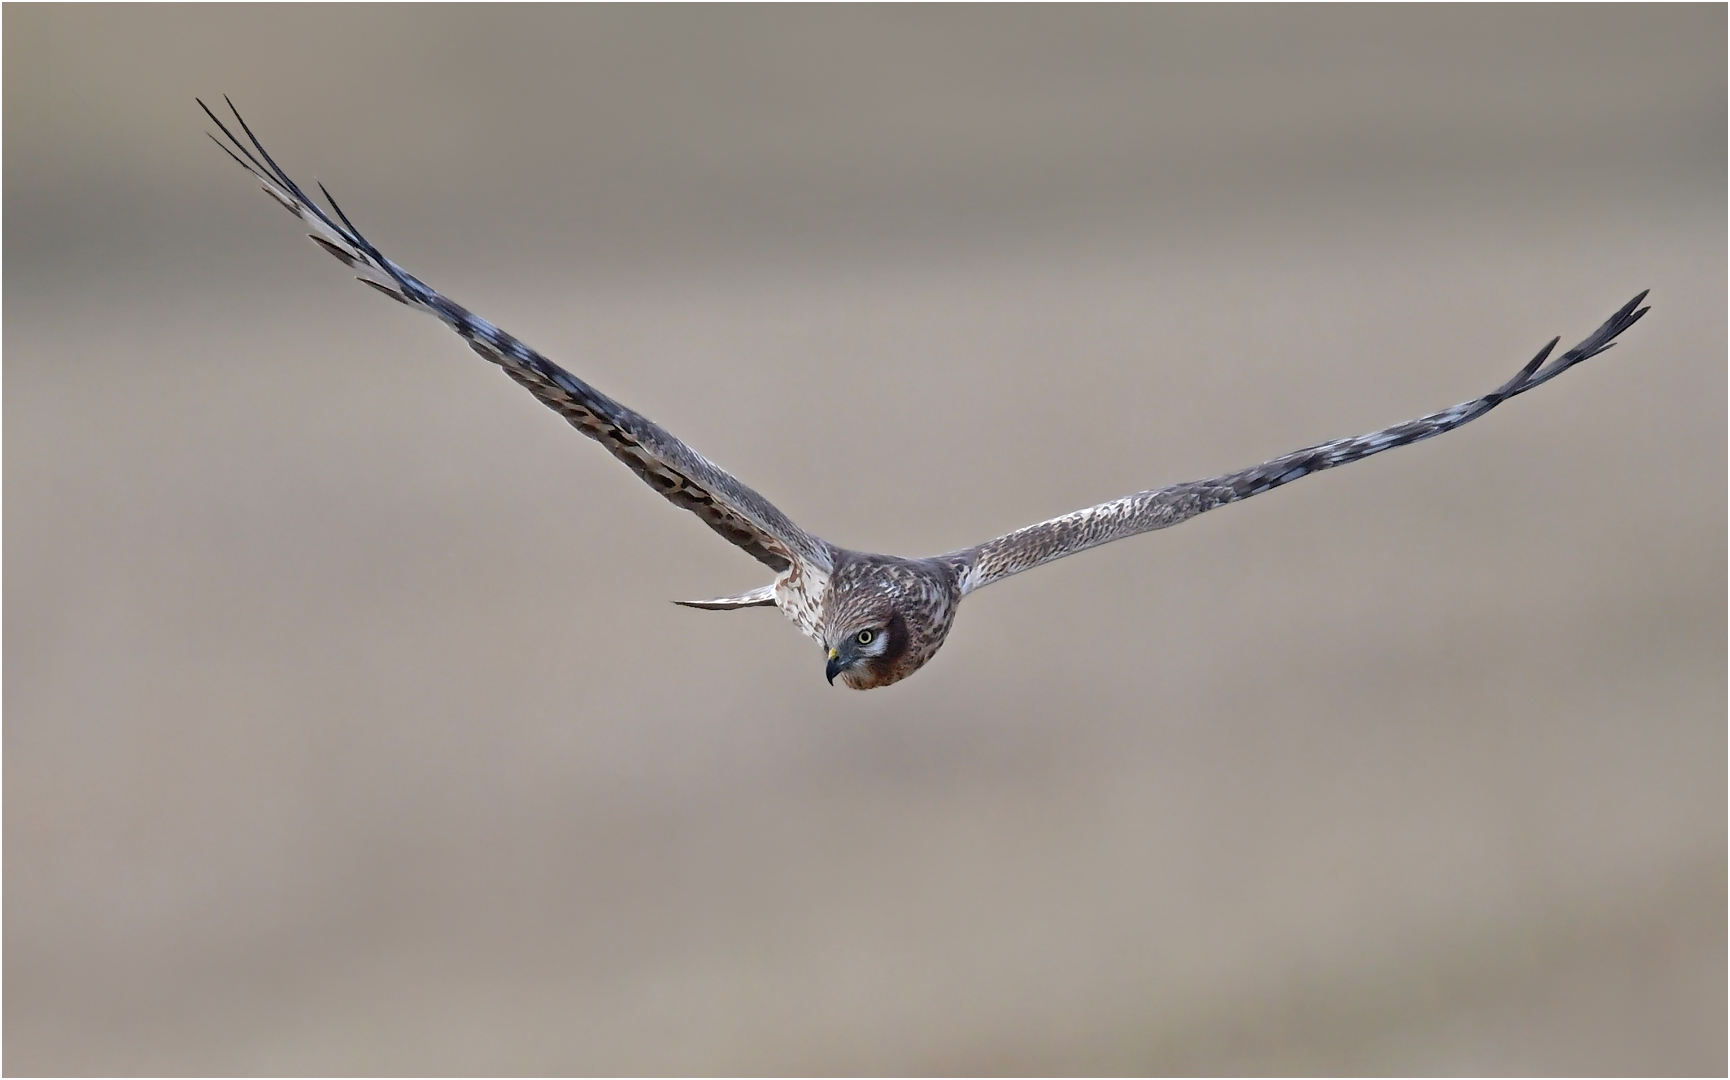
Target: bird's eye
{"type": "Point", "coordinates": [865, 637]}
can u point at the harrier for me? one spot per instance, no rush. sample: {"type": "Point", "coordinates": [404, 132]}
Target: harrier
{"type": "Point", "coordinates": [878, 618]}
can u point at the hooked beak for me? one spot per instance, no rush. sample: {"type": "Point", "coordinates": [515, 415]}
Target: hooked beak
{"type": "Point", "coordinates": [835, 667]}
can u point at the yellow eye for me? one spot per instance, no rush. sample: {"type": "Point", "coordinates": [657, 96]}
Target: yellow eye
{"type": "Point", "coordinates": [865, 637]}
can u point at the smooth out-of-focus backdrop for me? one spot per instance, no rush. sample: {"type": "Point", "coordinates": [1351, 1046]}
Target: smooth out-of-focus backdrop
{"type": "Point", "coordinates": [348, 727]}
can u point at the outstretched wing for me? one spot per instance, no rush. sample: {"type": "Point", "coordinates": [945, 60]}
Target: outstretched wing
{"type": "Point", "coordinates": [669, 466]}
{"type": "Point", "coordinates": [1145, 511]}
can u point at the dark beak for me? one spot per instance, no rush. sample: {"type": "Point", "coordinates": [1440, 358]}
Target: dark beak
{"type": "Point", "coordinates": [835, 667]}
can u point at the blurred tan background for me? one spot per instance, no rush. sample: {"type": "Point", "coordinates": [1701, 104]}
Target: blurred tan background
{"type": "Point", "coordinates": [348, 727]}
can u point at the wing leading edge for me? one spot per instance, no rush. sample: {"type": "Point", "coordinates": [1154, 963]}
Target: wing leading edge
{"type": "Point", "coordinates": [665, 463]}
{"type": "Point", "coordinates": [1146, 511]}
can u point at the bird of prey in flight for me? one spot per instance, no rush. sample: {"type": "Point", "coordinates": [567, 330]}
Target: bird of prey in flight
{"type": "Point", "coordinates": [878, 618]}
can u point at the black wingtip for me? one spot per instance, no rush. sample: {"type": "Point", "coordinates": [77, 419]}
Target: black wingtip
{"type": "Point", "coordinates": [1630, 313]}
{"type": "Point", "coordinates": [1523, 378]}
{"type": "Point", "coordinates": [1543, 354]}
{"type": "Point", "coordinates": [224, 148]}
{"type": "Point", "coordinates": [1600, 341]}
{"type": "Point", "coordinates": [252, 155]}
{"type": "Point", "coordinates": [256, 167]}
{"type": "Point", "coordinates": [335, 252]}
{"type": "Point", "coordinates": [1635, 317]}
{"type": "Point", "coordinates": [334, 205]}
{"type": "Point", "coordinates": [392, 293]}
{"type": "Point", "coordinates": [206, 108]}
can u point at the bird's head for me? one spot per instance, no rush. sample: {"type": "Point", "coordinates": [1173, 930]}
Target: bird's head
{"type": "Point", "coordinates": [886, 618]}
{"type": "Point", "coordinates": [871, 655]}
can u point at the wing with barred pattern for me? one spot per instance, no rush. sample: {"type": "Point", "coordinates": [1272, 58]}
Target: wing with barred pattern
{"type": "Point", "coordinates": [678, 472]}
{"type": "Point", "coordinates": [1146, 511]}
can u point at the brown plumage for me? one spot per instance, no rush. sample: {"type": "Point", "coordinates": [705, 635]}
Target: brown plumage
{"type": "Point", "coordinates": [878, 618]}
